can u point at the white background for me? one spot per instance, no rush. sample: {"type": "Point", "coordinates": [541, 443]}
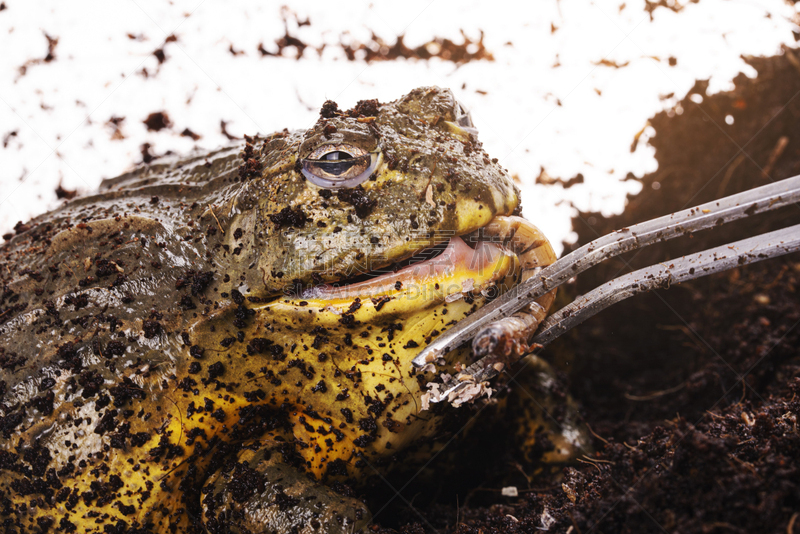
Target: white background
{"type": "Point", "coordinates": [546, 53]}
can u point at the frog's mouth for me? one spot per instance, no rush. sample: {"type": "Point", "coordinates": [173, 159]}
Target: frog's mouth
{"type": "Point", "coordinates": [447, 269]}
{"type": "Point", "coordinates": [486, 261]}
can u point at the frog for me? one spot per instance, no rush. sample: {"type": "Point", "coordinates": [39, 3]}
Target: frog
{"type": "Point", "coordinates": [222, 341]}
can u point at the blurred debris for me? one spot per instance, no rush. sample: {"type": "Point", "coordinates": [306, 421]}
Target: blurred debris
{"type": "Point", "coordinates": [159, 52]}
{"type": "Point", "coordinates": [188, 133]}
{"type": "Point", "coordinates": [157, 121]}
{"type": "Point", "coordinates": [636, 137]}
{"type": "Point", "coordinates": [288, 40]}
{"type": "Point", "coordinates": [8, 136]}
{"type": "Point", "coordinates": [115, 123]}
{"type": "Point", "coordinates": [780, 146]}
{"type": "Point", "coordinates": [67, 194]}
{"type": "Point", "coordinates": [223, 126]}
{"type": "Point", "coordinates": [545, 179]}
{"type": "Point", "coordinates": [610, 63]}
{"type": "Point", "coordinates": [147, 156]}
{"type": "Point", "coordinates": [377, 49]}
{"type": "Point", "coordinates": [52, 43]}
{"type": "Point", "coordinates": [672, 5]}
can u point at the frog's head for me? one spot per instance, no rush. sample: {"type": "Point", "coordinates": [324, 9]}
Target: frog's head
{"type": "Point", "coordinates": [341, 207]}
{"type": "Point", "coordinates": [358, 241]}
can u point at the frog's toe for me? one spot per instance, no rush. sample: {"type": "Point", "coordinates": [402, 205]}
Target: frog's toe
{"type": "Point", "coordinates": [548, 427]}
{"type": "Point", "coordinates": [261, 494]}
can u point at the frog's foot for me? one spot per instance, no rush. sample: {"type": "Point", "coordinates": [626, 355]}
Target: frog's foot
{"type": "Point", "coordinates": [260, 493]}
{"type": "Point", "coordinates": [507, 339]}
{"type": "Point", "coordinates": [548, 428]}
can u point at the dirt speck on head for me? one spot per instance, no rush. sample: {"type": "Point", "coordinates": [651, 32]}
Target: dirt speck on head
{"type": "Point", "coordinates": [329, 109]}
{"type": "Point", "coordinates": [289, 217]}
{"type": "Point", "coordinates": [357, 197]}
{"type": "Point", "coordinates": [365, 108]}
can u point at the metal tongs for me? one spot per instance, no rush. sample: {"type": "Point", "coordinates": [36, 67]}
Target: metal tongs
{"type": "Point", "coordinates": [711, 214]}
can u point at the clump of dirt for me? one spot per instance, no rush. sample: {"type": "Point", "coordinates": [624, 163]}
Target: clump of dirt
{"type": "Point", "coordinates": [288, 40]}
{"type": "Point", "coordinates": [692, 393]}
{"type": "Point", "coordinates": [157, 121]}
{"type": "Point", "coordinates": [545, 179]}
{"type": "Point", "coordinates": [67, 194]}
{"type": "Point", "coordinates": [357, 198]}
{"type": "Point", "coordinates": [189, 133]}
{"type": "Point", "coordinates": [7, 137]}
{"type": "Point", "coordinates": [52, 43]}
{"type": "Point", "coordinates": [115, 124]}
{"type": "Point", "coordinates": [147, 156]}
{"type": "Point", "coordinates": [676, 7]}
{"type": "Point", "coordinates": [377, 49]}
{"type": "Point", "coordinates": [329, 109]}
{"type": "Point", "coordinates": [159, 52]}
{"type": "Point", "coordinates": [365, 108]}
{"type": "Point", "coordinates": [223, 127]}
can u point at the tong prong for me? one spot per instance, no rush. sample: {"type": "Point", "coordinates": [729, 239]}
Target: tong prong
{"type": "Point", "coordinates": [708, 215]}
{"type": "Point", "coordinates": [746, 251]}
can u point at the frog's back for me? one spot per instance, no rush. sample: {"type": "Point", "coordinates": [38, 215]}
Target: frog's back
{"type": "Point", "coordinates": [93, 297]}
{"type": "Point", "coordinates": [61, 256]}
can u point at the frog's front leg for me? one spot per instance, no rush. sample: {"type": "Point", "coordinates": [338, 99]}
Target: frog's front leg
{"type": "Point", "coordinates": [261, 493]}
{"type": "Point", "coordinates": [507, 339]}
{"type": "Point", "coordinates": [545, 416]}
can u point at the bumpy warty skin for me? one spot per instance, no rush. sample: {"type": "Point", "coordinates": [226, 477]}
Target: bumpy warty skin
{"type": "Point", "coordinates": [153, 343]}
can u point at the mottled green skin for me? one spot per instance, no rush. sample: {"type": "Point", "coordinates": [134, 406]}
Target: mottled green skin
{"type": "Point", "coordinates": [103, 422]}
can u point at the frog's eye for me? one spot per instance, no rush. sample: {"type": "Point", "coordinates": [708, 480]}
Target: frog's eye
{"type": "Point", "coordinates": [336, 166]}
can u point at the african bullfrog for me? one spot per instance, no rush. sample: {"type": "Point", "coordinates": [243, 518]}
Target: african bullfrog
{"type": "Point", "coordinates": [211, 342]}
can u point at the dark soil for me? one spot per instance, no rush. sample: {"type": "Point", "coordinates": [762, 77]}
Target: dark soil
{"type": "Point", "coordinates": [692, 393]}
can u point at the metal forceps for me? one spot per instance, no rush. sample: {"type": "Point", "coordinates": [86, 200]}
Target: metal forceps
{"type": "Point", "coordinates": [477, 326]}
